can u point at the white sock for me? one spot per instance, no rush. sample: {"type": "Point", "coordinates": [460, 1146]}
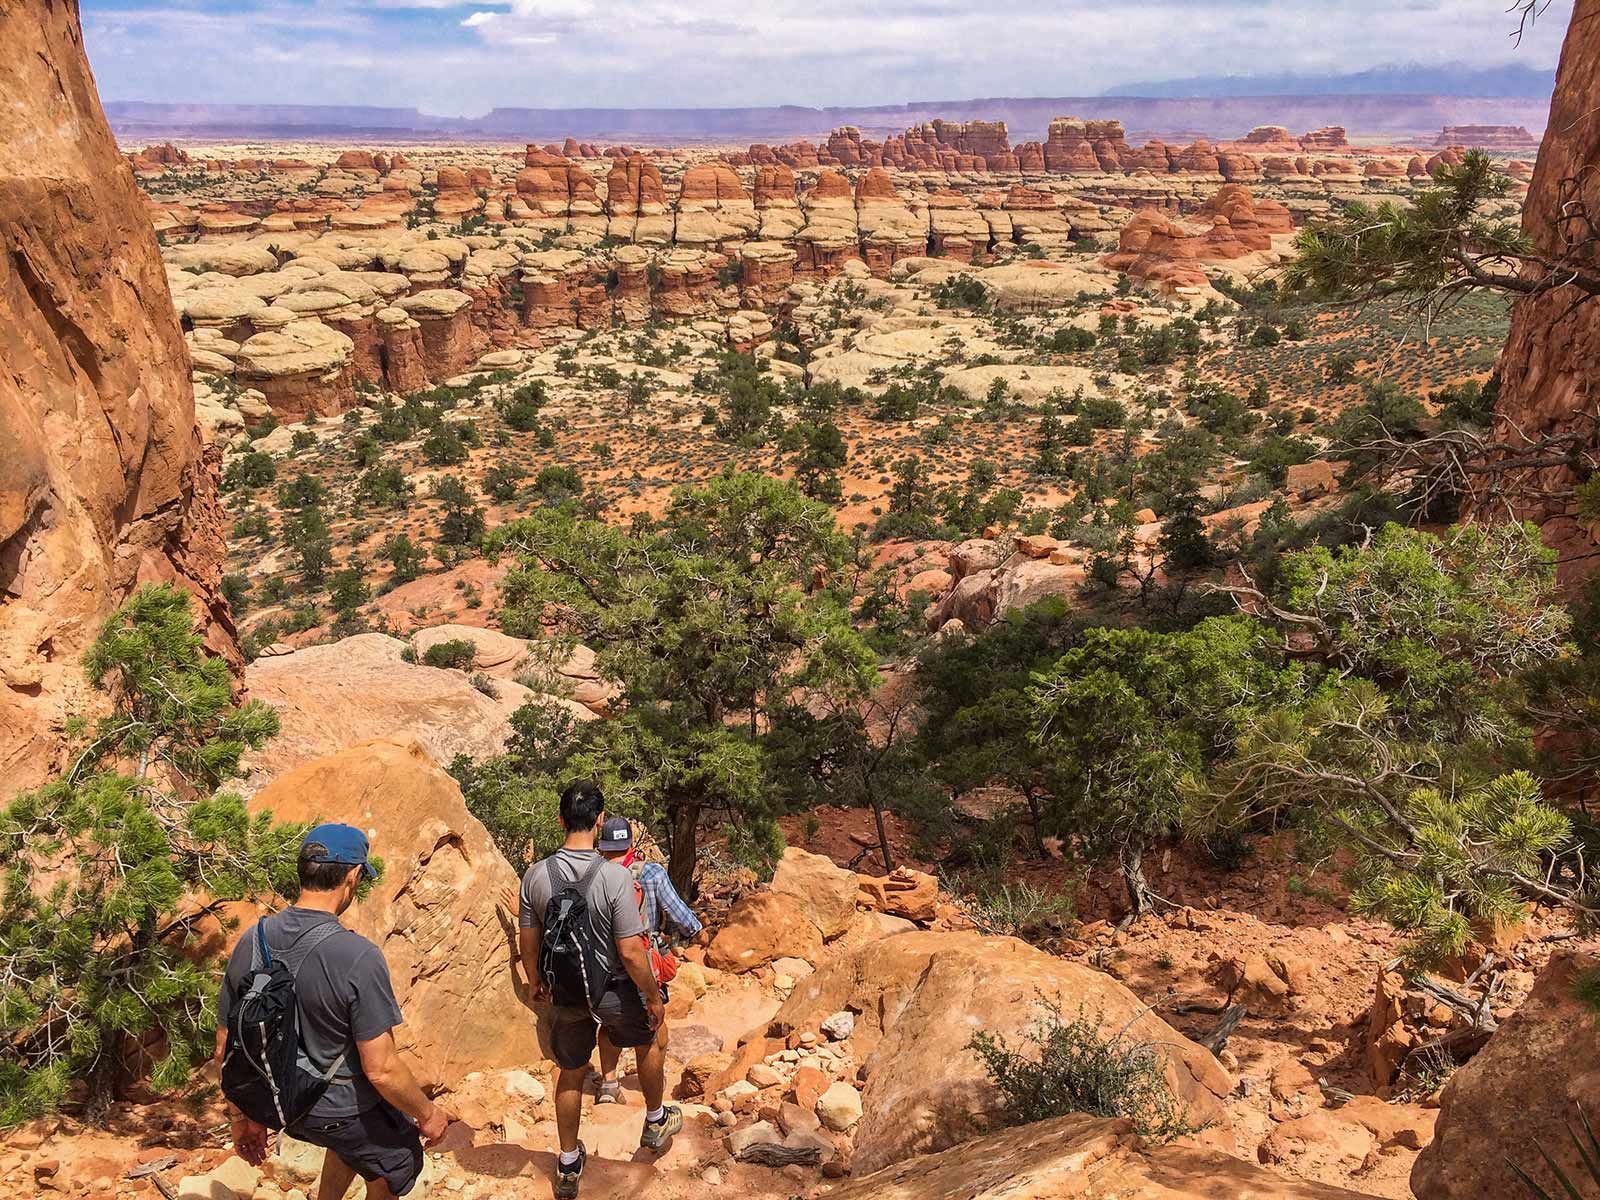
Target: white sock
{"type": "Point", "coordinates": [655, 1115]}
{"type": "Point", "coordinates": [571, 1159]}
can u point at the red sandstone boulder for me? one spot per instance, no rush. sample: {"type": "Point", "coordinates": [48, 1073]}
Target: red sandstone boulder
{"type": "Point", "coordinates": [825, 892]}
{"type": "Point", "coordinates": [1083, 1157]}
{"type": "Point", "coordinates": [1518, 1092]}
{"type": "Point", "coordinates": [760, 928]}
{"type": "Point", "coordinates": [433, 912]}
{"type": "Point", "coordinates": [920, 996]}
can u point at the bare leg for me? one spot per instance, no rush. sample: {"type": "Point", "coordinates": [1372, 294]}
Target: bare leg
{"type": "Point", "coordinates": [336, 1178]}
{"type": "Point", "coordinates": [569, 1105]}
{"type": "Point", "coordinates": [610, 1056]}
{"type": "Point", "coordinates": [378, 1189]}
{"type": "Point", "coordinates": [653, 1069]}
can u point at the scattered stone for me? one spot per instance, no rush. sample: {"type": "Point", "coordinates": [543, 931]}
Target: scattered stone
{"type": "Point", "coordinates": [840, 1026]}
{"type": "Point", "coordinates": [839, 1108]}
{"type": "Point", "coordinates": [763, 1076]}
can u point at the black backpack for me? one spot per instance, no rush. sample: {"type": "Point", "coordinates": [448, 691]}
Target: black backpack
{"type": "Point", "coordinates": [265, 1071]}
{"type": "Point", "coordinates": [571, 965]}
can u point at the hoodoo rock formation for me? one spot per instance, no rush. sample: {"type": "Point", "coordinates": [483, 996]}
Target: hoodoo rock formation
{"type": "Point", "coordinates": [1550, 367]}
{"type": "Point", "coordinates": [103, 480]}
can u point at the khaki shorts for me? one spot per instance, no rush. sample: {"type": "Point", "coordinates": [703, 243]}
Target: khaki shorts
{"type": "Point", "coordinates": [574, 1032]}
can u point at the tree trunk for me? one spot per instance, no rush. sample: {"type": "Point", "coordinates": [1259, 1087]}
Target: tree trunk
{"type": "Point", "coordinates": [883, 836]}
{"type": "Point", "coordinates": [685, 831]}
{"type": "Point", "coordinates": [1038, 824]}
{"type": "Point", "coordinates": [1141, 899]}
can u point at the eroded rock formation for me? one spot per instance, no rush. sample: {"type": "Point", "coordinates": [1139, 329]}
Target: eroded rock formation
{"type": "Point", "coordinates": [1550, 367]}
{"type": "Point", "coordinates": [103, 480]}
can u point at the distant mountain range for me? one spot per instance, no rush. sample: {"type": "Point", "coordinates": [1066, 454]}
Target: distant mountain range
{"type": "Point", "coordinates": [1393, 116]}
{"type": "Point", "coordinates": [1449, 79]}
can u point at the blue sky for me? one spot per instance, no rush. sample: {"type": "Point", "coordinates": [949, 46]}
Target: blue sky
{"type": "Point", "coordinates": [463, 57]}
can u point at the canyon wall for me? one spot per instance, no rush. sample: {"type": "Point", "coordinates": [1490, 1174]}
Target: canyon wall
{"type": "Point", "coordinates": [103, 480]}
{"type": "Point", "coordinates": [1550, 368]}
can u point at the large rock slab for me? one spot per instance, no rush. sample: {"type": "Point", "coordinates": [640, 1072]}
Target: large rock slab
{"type": "Point", "coordinates": [433, 913]}
{"type": "Point", "coordinates": [332, 696]}
{"type": "Point", "coordinates": [921, 996]}
{"type": "Point", "coordinates": [760, 928]}
{"type": "Point", "coordinates": [1084, 1157]}
{"type": "Point", "coordinates": [1518, 1093]}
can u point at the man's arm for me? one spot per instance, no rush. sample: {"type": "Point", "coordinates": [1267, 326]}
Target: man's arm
{"type": "Point", "coordinates": [383, 1066]}
{"type": "Point", "coordinates": [249, 1137]}
{"type": "Point", "coordinates": [636, 959]}
{"type": "Point", "coordinates": [671, 907]}
{"type": "Point", "coordinates": [529, 943]}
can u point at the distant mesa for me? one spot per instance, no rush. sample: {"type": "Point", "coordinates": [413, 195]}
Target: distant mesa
{"type": "Point", "coordinates": [1508, 139]}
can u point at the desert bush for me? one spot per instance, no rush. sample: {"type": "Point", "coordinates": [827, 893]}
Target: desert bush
{"type": "Point", "coordinates": [1076, 1067]}
{"type": "Point", "coordinates": [457, 654]}
{"type": "Point", "coordinates": [1016, 909]}
{"type": "Point", "coordinates": [252, 469]}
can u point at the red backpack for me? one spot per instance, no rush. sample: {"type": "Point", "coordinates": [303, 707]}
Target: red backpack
{"type": "Point", "coordinates": [662, 961]}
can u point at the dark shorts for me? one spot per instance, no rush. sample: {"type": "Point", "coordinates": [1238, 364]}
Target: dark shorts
{"type": "Point", "coordinates": [380, 1143]}
{"type": "Point", "coordinates": [574, 1031]}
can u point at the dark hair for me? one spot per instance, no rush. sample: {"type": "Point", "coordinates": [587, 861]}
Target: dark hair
{"type": "Point", "coordinates": [581, 805]}
{"type": "Point", "coordinates": [319, 876]}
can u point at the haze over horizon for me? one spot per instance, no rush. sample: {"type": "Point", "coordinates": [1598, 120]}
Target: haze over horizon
{"type": "Point", "coordinates": [464, 57]}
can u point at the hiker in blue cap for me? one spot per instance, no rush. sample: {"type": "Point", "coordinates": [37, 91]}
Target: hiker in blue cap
{"type": "Point", "coordinates": [305, 1026]}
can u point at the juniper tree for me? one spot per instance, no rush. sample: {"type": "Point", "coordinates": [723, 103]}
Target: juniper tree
{"type": "Point", "coordinates": [1406, 749]}
{"type": "Point", "coordinates": [1450, 241]}
{"type": "Point", "coordinates": [711, 620]}
{"type": "Point", "coordinates": [111, 869]}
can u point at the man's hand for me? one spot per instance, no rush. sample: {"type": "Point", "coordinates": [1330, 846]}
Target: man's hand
{"type": "Point", "coordinates": [656, 1011]}
{"type": "Point", "coordinates": [249, 1139]}
{"type": "Point", "coordinates": [433, 1126]}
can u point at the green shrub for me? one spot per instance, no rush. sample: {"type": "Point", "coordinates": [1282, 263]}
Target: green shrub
{"type": "Point", "coordinates": [1076, 1067]}
{"type": "Point", "coordinates": [1019, 910]}
{"type": "Point", "coordinates": [456, 654]}
{"type": "Point", "coordinates": [109, 865]}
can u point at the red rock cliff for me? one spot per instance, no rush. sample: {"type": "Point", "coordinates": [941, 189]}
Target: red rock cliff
{"type": "Point", "coordinates": [1550, 368]}
{"type": "Point", "coordinates": [103, 482]}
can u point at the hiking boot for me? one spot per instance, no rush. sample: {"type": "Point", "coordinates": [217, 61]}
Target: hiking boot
{"type": "Point", "coordinates": [567, 1177]}
{"type": "Point", "coordinates": [658, 1133]}
{"type": "Point", "coordinates": [610, 1092]}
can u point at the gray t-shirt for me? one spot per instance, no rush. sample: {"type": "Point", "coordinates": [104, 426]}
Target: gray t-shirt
{"type": "Point", "coordinates": [613, 903]}
{"type": "Point", "coordinates": [344, 995]}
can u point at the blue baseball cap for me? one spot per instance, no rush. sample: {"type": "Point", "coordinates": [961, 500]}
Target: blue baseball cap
{"type": "Point", "coordinates": [342, 844]}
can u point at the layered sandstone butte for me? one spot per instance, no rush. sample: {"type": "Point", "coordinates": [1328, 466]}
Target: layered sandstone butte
{"type": "Point", "coordinates": [1550, 367]}
{"type": "Point", "coordinates": [103, 481]}
{"type": "Point", "coordinates": [1514, 139]}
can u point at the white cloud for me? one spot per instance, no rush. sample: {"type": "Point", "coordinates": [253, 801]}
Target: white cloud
{"type": "Point", "coordinates": [465, 56]}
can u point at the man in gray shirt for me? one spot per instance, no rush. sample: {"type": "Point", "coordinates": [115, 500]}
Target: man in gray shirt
{"type": "Point", "coordinates": [373, 1117]}
{"type": "Point", "coordinates": [630, 1007]}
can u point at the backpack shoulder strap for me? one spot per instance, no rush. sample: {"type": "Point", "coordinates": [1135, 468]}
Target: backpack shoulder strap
{"type": "Point", "coordinates": [260, 956]}
{"type": "Point", "coordinates": [589, 875]}
{"type": "Point", "coordinates": [303, 946]}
